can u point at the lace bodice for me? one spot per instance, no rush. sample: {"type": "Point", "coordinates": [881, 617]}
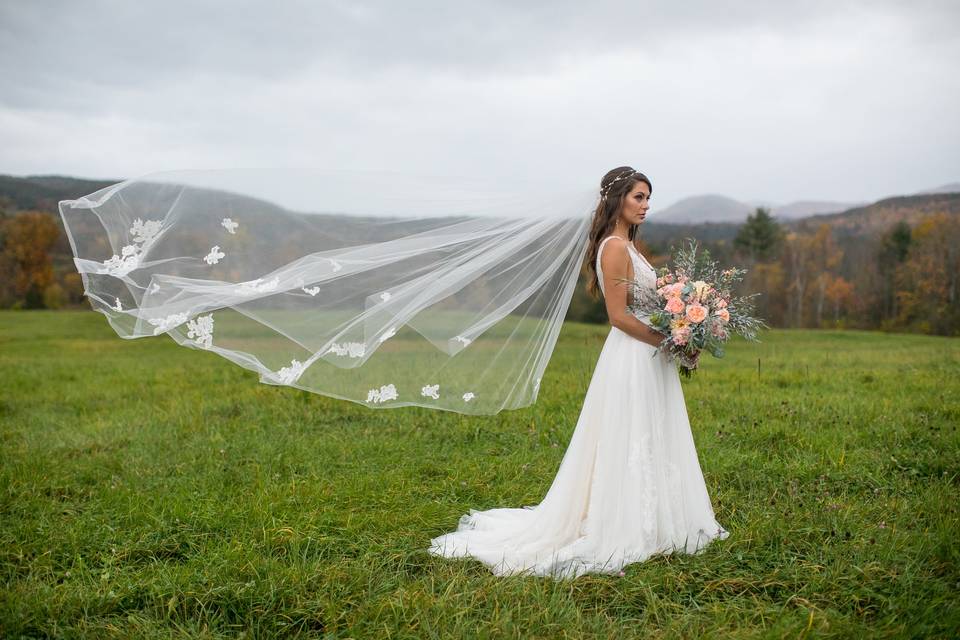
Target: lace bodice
{"type": "Point", "coordinates": [643, 271]}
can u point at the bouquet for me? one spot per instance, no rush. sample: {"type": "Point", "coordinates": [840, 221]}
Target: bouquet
{"type": "Point", "coordinates": [692, 305]}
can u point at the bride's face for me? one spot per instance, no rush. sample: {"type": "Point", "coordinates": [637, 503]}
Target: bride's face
{"type": "Point", "coordinates": [636, 203]}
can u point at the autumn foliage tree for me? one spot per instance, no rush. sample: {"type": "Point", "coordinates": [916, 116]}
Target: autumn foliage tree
{"type": "Point", "coordinates": [810, 261]}
{"type": "Point", "coordinates": [839, 294]}
{"type": "Point", "coordinates": [928, 279]}
{"type": "Point", "coordinates": [25, 243]}
{"type": "Point", "coordinates": [796, 256]}
{"type": "Point", "coordinates": [825, 257]}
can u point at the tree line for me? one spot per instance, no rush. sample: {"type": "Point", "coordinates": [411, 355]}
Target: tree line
{"type": "Point", "coordinates": [904, 278]}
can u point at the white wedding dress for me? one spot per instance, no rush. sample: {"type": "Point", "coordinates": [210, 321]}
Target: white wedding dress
{"type": "Point", "coordinates": [629, 485]}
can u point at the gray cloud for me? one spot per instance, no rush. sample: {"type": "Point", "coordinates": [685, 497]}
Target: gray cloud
{"type": "Point", "coordinates": [756, 100]}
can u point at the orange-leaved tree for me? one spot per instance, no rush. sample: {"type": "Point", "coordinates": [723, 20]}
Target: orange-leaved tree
{"type": "Point", "coordinates": [25, 243]}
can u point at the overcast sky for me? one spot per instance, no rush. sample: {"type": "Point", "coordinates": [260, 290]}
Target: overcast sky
{"type": "Point", "coordinates": [760, 101]}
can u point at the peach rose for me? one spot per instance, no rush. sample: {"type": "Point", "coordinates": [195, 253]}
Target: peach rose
{"type": "Point", "coordinates": [696, 312]}
{"type": "Point", "coordinates": [674, 305]}
{"type": "Point", "coordinates": [724, 315]}
{"type": "Point", "coordinates": [681, 335]}
{"type": "Point", "coordinates": [720, 304]}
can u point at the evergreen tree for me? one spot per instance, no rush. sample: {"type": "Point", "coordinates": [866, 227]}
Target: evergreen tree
{"type": "Point", "coordinates": [894, 247]}
{"type": "Point", "coordinates": [760, 237]}
{"type": "Point", "coordinates": [896, 243]}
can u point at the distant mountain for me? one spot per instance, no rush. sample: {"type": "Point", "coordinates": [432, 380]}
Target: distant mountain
{"type": "Point", "coordinates": [44, 192]}
{"type": "Point", "coordinates": [804, 208]}
{"type": "Point", "coordinates": [711, 217]}
{"type": "Point", "coordinates": [862, 220]}
{"type": "Point", "coordinates": [718, 209]}
{"type": "Point", "coordinates": [705, 208]}
{"type": "Point", "coordinates": [953, 187]}
{"type": "Point", "coordinates": [882, 214]}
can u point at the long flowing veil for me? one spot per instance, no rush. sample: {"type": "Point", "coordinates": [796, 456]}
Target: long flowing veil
{"type": "Point", "coordinates": [382, 288]}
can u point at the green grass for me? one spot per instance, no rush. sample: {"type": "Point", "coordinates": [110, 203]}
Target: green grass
{"type": "Point", "coordinates": [150, 490]}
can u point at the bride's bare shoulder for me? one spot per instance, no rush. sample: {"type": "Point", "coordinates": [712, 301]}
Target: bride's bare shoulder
{"type": "Point", "coordinates": [614, 256]}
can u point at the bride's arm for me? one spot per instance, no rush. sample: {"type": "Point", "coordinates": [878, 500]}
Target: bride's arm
{"type": "Point", "coordinates": [613, 263]}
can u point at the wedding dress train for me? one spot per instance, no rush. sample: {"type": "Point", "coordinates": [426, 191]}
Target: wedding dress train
{"type": "Point", "coordinates": [629, 485]}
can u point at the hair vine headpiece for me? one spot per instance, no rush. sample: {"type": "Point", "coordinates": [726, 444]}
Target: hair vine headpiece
{"type": "Point", "coordinates": [605, 190]}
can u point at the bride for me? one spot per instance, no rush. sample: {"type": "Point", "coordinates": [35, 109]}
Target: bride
{"type": "Point", "coordinates": [630, 484]}
{"type": "Point", "coordinates": [381, 310]}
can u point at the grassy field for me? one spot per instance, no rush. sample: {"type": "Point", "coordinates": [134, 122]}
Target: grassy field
{"type": "Point", "coordinates": [150, 490]}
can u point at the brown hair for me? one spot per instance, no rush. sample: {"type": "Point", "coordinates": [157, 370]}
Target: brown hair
{"type": "Point", "coordinates": [606, 214]}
